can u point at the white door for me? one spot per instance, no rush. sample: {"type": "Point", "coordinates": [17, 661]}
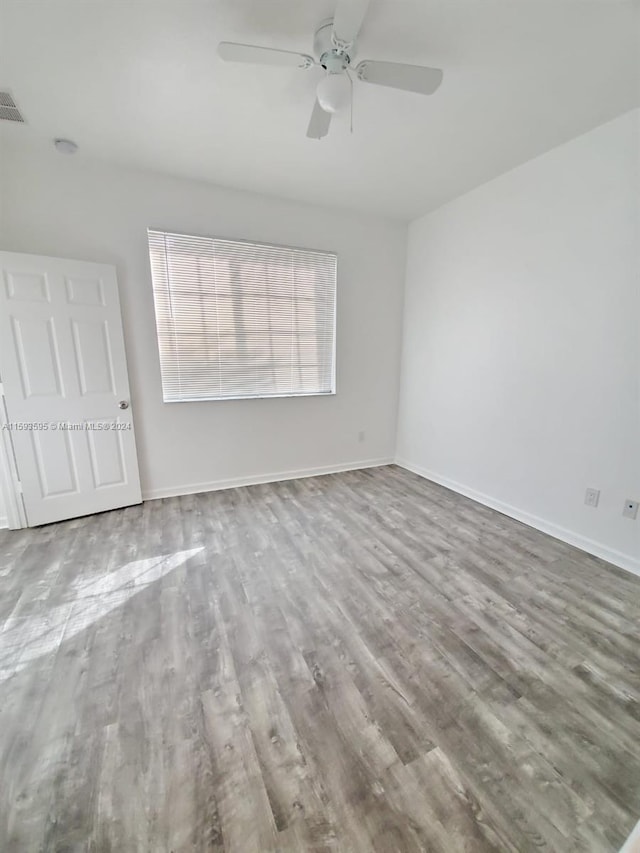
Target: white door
{"type": "Point", "coordinates": [65, 384]}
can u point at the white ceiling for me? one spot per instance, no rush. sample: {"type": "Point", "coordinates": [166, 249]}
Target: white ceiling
{"type": "Point", "coordinates": [138, 82]}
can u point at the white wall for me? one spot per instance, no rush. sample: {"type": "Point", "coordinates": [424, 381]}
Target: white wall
{"type": "Point", "coordinates": [521, 356]}
{"type": "Point", "coordinates": [72, 208]}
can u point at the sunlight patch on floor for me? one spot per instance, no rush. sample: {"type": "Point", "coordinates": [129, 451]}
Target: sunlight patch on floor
{"type": "Point", "coordinates": [26, 639]}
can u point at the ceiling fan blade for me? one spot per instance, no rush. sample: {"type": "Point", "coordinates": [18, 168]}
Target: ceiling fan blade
{"type": "Point", "coordinates": [412, 78]}
{"type": "Point", "coordinates": [348, 19]}
{"type": "Point", "coordinates": [232, 52]}
{"type": "Point", "coordinates": [319, 123]}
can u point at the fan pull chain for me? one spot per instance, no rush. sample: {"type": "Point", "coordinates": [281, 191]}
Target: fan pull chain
{"type": "Point", "coordinates": [351, 83]}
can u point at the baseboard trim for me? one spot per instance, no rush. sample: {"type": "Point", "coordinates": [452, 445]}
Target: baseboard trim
{"type": "Point", "coordinates": [632, 844]}
{"type": "Point", "coordinates": [4, 522]}
{"type": "Point", "coordinates": [254, 480]}
{"type": "Point", "coordinates": [597, 549]}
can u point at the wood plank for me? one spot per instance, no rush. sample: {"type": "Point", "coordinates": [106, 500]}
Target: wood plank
{"type": "Point", "coordinates": [357, 662]}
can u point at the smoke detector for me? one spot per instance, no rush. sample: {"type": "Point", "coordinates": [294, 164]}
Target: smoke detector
{"type": "Point", "coordinates": [65, 146]}
{"type": "Point", "coordinates": [9, 109]}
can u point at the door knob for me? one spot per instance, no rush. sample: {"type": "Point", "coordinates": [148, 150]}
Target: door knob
{"type": "Point", "coordinates": [123, 404]}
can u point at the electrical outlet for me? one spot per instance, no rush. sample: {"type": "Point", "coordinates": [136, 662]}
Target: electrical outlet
{"type": "Point", "coordinates": [630, 509]}
{"type": "Point", "coordinates": [361, 436]}
{"type": "Point", "coordinates": [591, 497]}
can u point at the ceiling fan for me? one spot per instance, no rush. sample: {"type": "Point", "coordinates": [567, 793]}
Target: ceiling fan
{"type": "Point", "coordinates": [334, 46]}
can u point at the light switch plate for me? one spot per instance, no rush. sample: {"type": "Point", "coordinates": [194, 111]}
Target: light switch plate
{"type": "Point", "coordinates": [630, 509]}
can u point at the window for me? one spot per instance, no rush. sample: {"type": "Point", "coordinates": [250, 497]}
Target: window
{"type": "Point", "coordinates": [240, 319]}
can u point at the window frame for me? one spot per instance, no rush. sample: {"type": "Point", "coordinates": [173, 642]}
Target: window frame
{"type": "Point", "coordinates": [267, 245]}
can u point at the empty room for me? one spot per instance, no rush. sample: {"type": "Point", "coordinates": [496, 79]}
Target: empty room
{"type": "Point", "coordinates": [319, 426]}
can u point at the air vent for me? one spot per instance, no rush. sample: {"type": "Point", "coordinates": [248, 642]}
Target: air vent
{"type": "Point", "coordinates": [8, 108]}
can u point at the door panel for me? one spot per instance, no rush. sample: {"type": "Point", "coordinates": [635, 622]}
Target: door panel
{"type": "Point", "coordinates": [37, 353]}
{"type": "Point", "coordinates": [85, 291]}
{"type": "Point", "coordinates": [27, 287]}
{"type": "Point", "coordinates": [55, 463]}
{"type": "Point", "coordinates": [93, 357]}
{"type": "Point", "coordinates": [107, 457]}
{"type": "Point", "coordinates": [63, 369]}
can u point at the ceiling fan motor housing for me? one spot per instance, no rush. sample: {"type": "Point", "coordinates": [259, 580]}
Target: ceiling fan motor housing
{"type": "Point", "coordinates": [330, 56]}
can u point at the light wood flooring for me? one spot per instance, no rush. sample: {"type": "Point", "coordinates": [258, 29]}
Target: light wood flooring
{"type": "Point", "coordinates": [357, 662]}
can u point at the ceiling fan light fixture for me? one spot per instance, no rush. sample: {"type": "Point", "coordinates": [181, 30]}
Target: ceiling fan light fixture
{"type": "Point", "coordinates": [334, 92]}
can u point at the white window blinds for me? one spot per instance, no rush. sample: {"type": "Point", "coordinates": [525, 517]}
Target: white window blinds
{"type": "Point", "coordinates": [240, 319]}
